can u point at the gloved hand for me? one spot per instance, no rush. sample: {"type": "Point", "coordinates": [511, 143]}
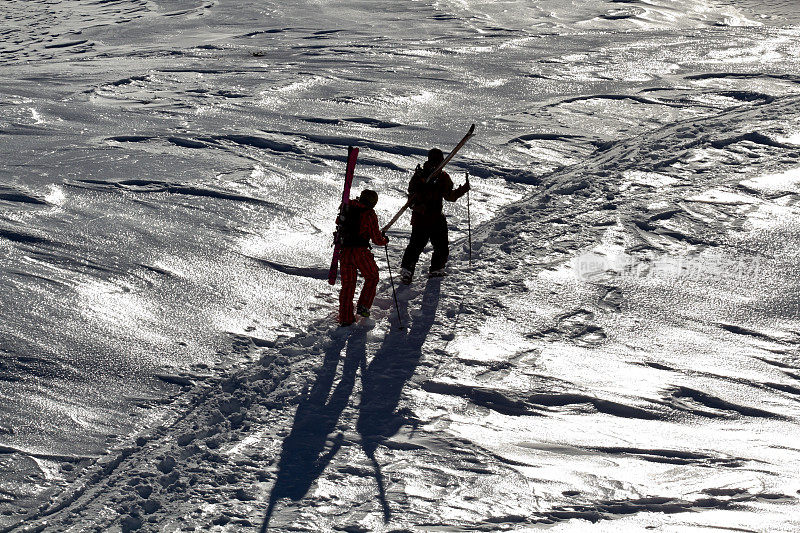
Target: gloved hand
{"type": "Point", "coordinates": [385, 237]}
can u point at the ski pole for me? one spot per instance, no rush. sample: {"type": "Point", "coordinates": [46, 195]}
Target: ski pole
{"type": "Point", "coordinates": [469, 224]}
{"type": "Point", "coordinates": [391, 279]}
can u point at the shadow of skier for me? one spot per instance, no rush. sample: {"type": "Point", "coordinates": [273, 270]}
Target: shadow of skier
{"type": "Point", "coordinates": [384, 379]}
{"type": "Point", "coordinates": [304, 456]}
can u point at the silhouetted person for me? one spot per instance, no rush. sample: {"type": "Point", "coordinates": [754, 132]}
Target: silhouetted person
{"type": "Point", "coordinates": [427, 193]}
{"type": "Point", "coordinates": [358, 225]}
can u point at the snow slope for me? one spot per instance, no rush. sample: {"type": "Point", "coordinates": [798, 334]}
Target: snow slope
{"type": "Point", "coordinates": [622, 353]}
{"type": "Point", "coordinates": [169, 170]}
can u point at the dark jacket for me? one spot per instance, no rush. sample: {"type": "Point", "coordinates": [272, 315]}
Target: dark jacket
{"type": "Point", "coordinates": [427, 194]}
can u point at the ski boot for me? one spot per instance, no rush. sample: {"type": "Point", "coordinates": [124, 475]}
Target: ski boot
{"type": "Point", "coordinates": [362, 311]}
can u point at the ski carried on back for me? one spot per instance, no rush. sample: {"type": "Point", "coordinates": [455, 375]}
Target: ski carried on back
{"type": "Point", "coordinates": [447, 159]}
{"type": "Point", "coordinates": [352, 155]}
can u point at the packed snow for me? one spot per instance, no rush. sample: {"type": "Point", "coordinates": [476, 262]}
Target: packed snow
{"type": "Point", "coordinates": [620, 353]}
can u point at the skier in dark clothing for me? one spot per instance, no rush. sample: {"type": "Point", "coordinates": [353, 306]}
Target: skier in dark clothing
{"type": "Point", "coordinates": [428, 223]}
{"type": "Point", "coordinates": [358, 225]}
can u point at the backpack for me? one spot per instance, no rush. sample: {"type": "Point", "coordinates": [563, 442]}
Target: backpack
{"type": "Point", "coordinates": [424, 192]}
{"type": "Point", "coordinates": [348, 227]}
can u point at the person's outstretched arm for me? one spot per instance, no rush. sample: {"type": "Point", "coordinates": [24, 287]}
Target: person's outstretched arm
{"type": "Point", "coordinates": [450, 194]}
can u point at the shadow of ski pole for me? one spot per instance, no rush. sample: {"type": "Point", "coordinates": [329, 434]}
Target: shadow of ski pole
{"type": "Point", "coordinates": [304, 456]}
{"type": "Point", "coordinates": [383, 381]}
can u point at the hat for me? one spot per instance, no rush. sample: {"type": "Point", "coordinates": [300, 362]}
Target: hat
{"type": "Point", "coordinates": [435, 155]}
{"type": "Point", "coordinates": [368, 197]}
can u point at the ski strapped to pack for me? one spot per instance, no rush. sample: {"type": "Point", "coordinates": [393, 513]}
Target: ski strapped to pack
{"type": "Point", "coordinates": [446, 160]}
{"type": "Point", "coordinates": [352, 155]}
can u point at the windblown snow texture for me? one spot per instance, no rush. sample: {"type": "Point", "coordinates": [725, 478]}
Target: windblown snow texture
{"type": "Point", "coordinates": [623, 354]}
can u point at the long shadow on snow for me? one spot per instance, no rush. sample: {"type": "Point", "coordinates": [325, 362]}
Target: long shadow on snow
{"type": "Point", "coordinates": [304, 456]}
{"type": "Point", "coordinates": [384, 379]}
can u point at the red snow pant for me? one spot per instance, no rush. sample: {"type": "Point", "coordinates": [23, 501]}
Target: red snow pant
{"type": "Point", "coordinates": [352, 261]}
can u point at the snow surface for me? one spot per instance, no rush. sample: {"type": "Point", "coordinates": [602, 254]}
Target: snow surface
{"type": "Point", "coordinates": [622, 353]}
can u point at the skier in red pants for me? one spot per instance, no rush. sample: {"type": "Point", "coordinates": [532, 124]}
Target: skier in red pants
{"type": "Point", "coordinates": [358, 225]}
